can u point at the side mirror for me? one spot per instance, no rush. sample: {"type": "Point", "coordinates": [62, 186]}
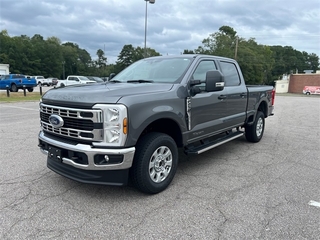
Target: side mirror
{"type": "Point", "coordinates": [214, 81]}
{"type": "Point", "coordinates": [111, 76]}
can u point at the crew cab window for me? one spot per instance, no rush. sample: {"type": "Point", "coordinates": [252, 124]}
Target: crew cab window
{"type": "Point", "coordinates": [230, 72]}
{"type": "Point", "coordinates": [17, 76]}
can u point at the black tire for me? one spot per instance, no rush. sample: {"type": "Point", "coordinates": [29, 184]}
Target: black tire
{"type": "Point", "coordinates": [30, 89]}
{"type": "Point", "coordinates": [255, 131]}
{"type": "Point", "coordinates": [155, 163]}
{"type": "Point", "coordinates": [61, 85]}
{"type": "Point", "coordinates": [308, 93]}
{"type": "Point", "coordinates": [14, 88]}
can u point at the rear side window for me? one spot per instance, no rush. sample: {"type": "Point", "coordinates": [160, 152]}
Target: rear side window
{"type": "Point", "coordinates": [230, 72]}
{"type": "Point", "coordinates": [17, 76]}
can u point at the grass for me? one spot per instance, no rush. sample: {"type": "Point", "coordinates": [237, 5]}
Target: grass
{"type": "Point", "coordinates": [19, 96]}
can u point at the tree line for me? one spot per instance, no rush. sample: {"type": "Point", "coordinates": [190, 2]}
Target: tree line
{"type": "Point", "coordinates": [51, 58]}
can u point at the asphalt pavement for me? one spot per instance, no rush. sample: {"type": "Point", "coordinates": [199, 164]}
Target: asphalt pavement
{"type": "Point", "coordinates": [240, 190]}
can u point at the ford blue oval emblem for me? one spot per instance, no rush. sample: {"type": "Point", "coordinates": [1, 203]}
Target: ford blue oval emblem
{"type": "Point", "coordinates": [56, 121]}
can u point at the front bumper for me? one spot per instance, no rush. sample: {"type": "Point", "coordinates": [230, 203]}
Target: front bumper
{"type": "Point", "coordinates": [66, 155]}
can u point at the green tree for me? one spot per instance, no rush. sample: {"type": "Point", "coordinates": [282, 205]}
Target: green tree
{"type": "Point", "coordinates": [255, 60]}
{"type": "Point", "coordinates": [76, 61]}
{"type": "Point", "coordinates": [129, 55]}
{"type": "Point", "coordinates": [187, 51]}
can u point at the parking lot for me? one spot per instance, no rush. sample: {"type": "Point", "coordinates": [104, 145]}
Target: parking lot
{"type": "Point", "coordinates": [240, 190]}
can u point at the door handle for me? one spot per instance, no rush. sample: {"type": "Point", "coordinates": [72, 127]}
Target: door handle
{"type": "Point", "coordinates": [243, 95]}
{"type": "Point", "coordinates": [221, 97]}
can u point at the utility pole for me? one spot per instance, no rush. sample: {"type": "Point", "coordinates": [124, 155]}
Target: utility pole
{"type": "Point", "coordinates": [236, 50]}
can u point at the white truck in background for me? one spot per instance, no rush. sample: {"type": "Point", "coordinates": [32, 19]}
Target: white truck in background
{"type": "Point", "coordinates": [41, 80]}
{"type": "Point", "coordinates": [73, 80]}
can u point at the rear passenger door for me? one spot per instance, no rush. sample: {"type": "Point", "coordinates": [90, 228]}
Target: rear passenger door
{"type": "Point", "coordinates": [236, 92]}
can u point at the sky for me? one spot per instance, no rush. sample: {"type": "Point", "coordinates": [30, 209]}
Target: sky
{"type": "Point", "coordinates": [172, 25]}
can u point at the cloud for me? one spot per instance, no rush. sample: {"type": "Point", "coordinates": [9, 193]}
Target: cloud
{"type": "Point", "coordinates": [173, 25]}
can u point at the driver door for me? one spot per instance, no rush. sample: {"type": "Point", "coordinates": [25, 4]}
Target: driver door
{"type": "Point", "coordinates": [208, 109]}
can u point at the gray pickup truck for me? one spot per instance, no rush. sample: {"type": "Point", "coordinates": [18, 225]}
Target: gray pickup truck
{"type": "Point", "coordinates": [129, 129]}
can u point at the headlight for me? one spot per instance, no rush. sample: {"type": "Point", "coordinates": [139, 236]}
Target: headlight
{"type": "Point", "coordinates": [114, 118]}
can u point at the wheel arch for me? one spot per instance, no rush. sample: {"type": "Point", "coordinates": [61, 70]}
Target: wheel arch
{"type": "Point", "coordinates": [263, 107]}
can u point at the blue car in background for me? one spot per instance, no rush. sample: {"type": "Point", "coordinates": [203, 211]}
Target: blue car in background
{"type": "Point", "coordinates": [17, 81]}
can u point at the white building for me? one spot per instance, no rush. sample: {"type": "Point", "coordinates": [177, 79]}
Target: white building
{"type": "Point", "coordinates": [282, 86]}
{"type": "Point", "coordinates": [4, 69]}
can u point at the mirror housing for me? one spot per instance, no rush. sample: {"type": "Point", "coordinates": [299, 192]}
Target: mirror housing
{"type": "Point", "coordinates": [214, 81]}
{"type": "Point", "coordinates": [111, 76]}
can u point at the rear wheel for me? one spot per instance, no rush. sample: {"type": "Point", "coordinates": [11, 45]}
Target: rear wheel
{"type": "Point", "coordinates": [255, 131]}
{"type": "Point", "coordinates": [308, 93]}
{"type": "Point", "coordinates": [14, 88]}
{"type": "Point", "coordinates": [155, 163]}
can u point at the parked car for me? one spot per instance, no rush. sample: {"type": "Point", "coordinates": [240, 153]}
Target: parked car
{"type": "Point", "coordinates": [17, 81]}
{"type": "Point", "coordinates": [311, 90]}
{"type": "Point", "coordinates": [41, 80]}
{"type": "Point", "coordinates": [97, 79]}
{"type": "Point", "coordinates": [53, 81]}
{"type": "Point", "coordinates": [74, 80]}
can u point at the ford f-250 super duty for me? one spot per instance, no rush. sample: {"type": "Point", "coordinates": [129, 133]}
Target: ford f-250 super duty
{"type": "Point", "coordinates": [130, 128]}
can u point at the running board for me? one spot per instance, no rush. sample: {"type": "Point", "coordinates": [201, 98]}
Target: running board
{"type": "Point", "coordinates": [210, 145]}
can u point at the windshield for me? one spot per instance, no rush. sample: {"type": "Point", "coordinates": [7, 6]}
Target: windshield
{"type": "Point", "coordinates": [158, 70]}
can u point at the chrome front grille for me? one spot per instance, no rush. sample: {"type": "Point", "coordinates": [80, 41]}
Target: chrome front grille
{"type": "Point", "coordinates": [84, 124]}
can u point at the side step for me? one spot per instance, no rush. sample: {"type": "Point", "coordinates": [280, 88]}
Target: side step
{"type": "Point", "coordinates": [212, 144]}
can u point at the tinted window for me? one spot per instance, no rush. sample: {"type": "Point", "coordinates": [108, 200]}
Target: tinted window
{"type": "Point", "coordinates": [202, 69]}
{"type": "Point", "coordinates": [230, 72]}
{"type": "Point", "coordinates": [17, 76]}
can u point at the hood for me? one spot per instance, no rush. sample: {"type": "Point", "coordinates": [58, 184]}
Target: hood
{"type": "Point", "coordinates": [88, 95]}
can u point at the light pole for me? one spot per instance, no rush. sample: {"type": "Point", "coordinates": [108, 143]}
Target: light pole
{"type": "Point", "coordinates": [63, 62]}
{"type": "Point", "coordinates": [145, 26]}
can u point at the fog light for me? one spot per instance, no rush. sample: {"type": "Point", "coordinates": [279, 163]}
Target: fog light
{"type": "Point", "coordinates": [102, 159]}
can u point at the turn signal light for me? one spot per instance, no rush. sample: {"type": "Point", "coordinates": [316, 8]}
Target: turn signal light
{"type": "Point", "coordinates": [125, 126]}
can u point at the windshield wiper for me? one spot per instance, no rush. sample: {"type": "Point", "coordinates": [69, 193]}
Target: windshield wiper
{"type": "Point", "coordinates": [140, 81]}
{"type": "Point", "coordinates": [114, 81]}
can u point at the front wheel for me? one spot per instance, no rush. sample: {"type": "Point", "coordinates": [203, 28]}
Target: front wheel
{"type": "Point", "coordinates": [155, 163]}
{"type": "Point", "coordinates": [255, 131]}
{"type": "Point", "coordinates": [14, 88]}
{"type": "Point", "coordinates": [30, 89]}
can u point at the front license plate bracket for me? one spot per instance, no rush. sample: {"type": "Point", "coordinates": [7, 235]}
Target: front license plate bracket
{"type": "Point", "coordinates": [54, 153]}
